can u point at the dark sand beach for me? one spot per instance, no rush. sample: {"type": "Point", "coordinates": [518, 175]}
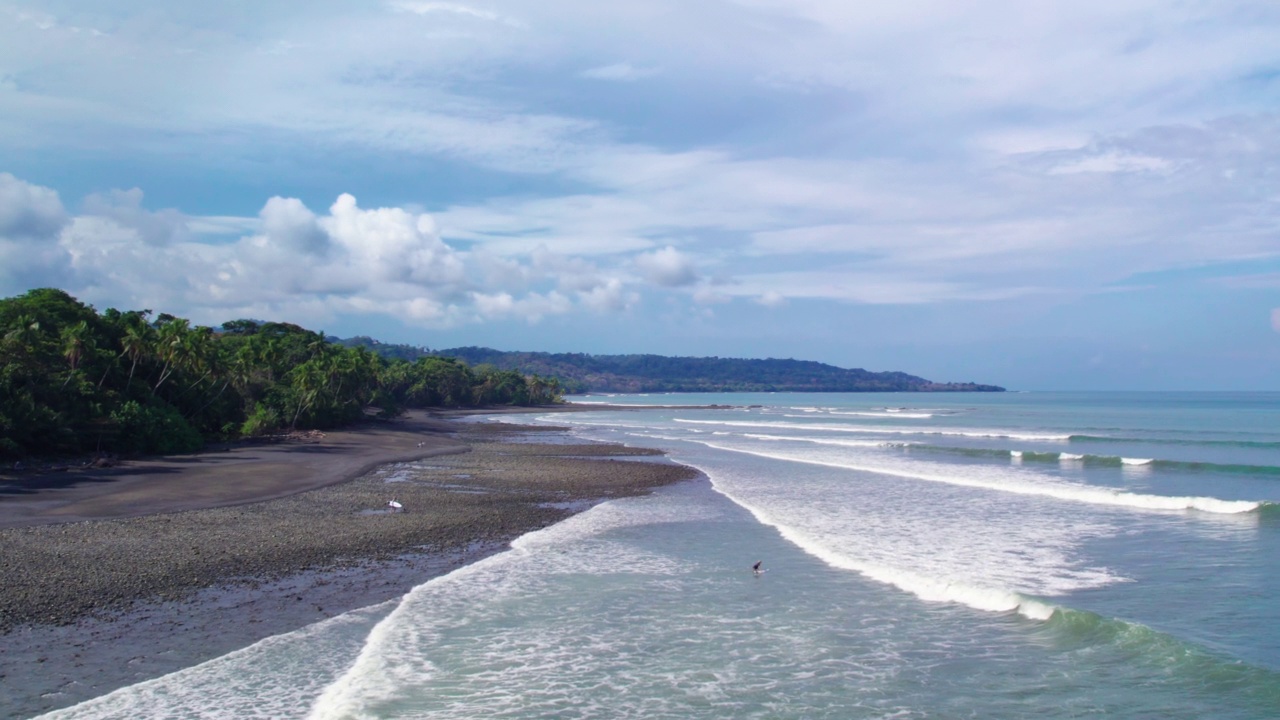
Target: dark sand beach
{"type": "Point", "coordinates": [116, 575]}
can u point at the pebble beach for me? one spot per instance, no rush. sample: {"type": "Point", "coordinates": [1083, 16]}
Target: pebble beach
{"type": "Point", "coordinates": [295, 534]}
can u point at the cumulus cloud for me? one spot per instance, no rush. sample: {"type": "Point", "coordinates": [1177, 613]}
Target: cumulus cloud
{"type": "Point", "coordinates": [290, 224]}
{"type": "Point", "coordinates": [29, 211]}
{"type": "Point", "coordinates": [124, 208]}
{"type": "Point", "coordinates": [392, 244]}
{"type": "Point", "coordinates": [31, 220]}
{"type": "Point", "coordinates": [667, 267]}
{"type": "Point", "coordinates": [382, 254]}
{"type": "Point", "coordinates": [290, 262]}
{"type": "Point", "coordinates": [570, 274]}
{"type": "Point", "coordinates": [803, 147]}
{"type": "Point", "coordinates": [532, 307]}
{"type": "Point", "coordinates": [608, 297]}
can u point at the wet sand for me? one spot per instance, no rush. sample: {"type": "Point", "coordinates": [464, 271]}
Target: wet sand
{"type": "Point", "coordinates": [267, 540]}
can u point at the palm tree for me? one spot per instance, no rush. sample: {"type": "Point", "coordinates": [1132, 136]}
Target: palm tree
{"type": "Point", "coordinates": [76, 341]}
{"type": "Point", "coordinates": [171, 347]}
{"type": "Point", "coordinates": [26, 331]}
{"type": "Point", "coordinates": [309, 380]}
{"type": "Point", "coordinates": [135, 344]}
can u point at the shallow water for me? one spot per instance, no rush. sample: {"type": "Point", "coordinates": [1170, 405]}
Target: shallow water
{"type": "Point", "coordinates": [1057, 555]}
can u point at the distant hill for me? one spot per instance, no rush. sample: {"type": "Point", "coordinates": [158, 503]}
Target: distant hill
{"type": "Point", "coordinates": [579, 373]}
{"type": "Point", "coordinates": [390, 351]}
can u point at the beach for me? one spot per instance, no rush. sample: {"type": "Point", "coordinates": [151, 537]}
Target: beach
{"type": "Point", "coordinates": [117, 575]}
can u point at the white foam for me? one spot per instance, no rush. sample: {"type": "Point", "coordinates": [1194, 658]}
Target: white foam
{"type": "Point", "coordinates": [1069, 456]}
{"type": "Point", "coordinates": [277, 677]}
{"type": "Point", "coordinates": [927, 587]}
{"type": "Point", "coordinates": [393, 663]}
{"type": "Point", "coordinates": [886, 413]}
{"type": "Point", "coordinates": [1021, 484]}
{"type": "Point", "coordinates": [1136, 461]}
{"type": "Point", "coordinates": [977, 433]}
{"type": "Point", "coordinates": [821, 441]}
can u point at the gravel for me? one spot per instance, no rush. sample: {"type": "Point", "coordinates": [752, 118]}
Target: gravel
{"type": "Point", "coordinates": [120, 577]}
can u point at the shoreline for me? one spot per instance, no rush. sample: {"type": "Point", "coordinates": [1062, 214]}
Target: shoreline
{"type": "Point", "coordinates": [235, 474]}
{"type": "Point", "coordinates": [94, 605]}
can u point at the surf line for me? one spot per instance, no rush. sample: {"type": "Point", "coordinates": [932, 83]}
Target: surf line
{"type": "Point", "coordinates": [1072, 493]}
{"type": "Point", "coordinates": [879, 430]}
{"type": "Point", "coordinates": [925, 588]}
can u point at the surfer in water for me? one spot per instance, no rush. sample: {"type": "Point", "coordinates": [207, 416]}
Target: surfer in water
{"type": "Point", "coordinates": [756, 568]}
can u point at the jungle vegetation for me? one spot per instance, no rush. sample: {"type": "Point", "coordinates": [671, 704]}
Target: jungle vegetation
{"type": "Point", "coordinates": [578, 373]}
{"type": "Point", "coordinates": [74, 380]}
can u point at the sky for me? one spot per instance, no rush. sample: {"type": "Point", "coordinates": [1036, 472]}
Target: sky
{"type": "Point", "coordinates": [1058, 195]}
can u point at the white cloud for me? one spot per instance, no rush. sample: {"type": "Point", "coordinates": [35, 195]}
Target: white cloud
{"type": "Point", "coordinates": [1113, 162]}
{"type": "Point", "coordinates": [920, 152]}
{"type": "Point", "coordinates": [392, 245]}
{"type": "Point", "coordinates": [1255, 280]}
{"type": "Point", "coordinates": [667, 267]}
{"type": "Point", "coordinates": [571, 274]}
{"type": "Point", "coordinates": [532, 307]}
{"type": "Point", "coordinates": [29, 211]}
{"type": "Point", "coordinates": [124, 208]}
{"type": "Point", "coordinates": [31, 220]}
{"type": "Point", "coordinates": [222, 225]}
{"type": "Point", "coordinates": [621, 71]}
{"type": "Point", "coordinates": [288, 223]}
{"type": "Point", "coordinates": [863, 288]}
{"type": "Point", "coordinates": [427, 8]}
{"type": "Point", "coordinates": [608, 297]}
{"type": "Point", "coordinates": [293, 264]}
{"type": "Point", "coordinates": [771, 299]}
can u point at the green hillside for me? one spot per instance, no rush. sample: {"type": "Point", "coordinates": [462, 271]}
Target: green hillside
{"type": "Point", "coordinates": [579, 372]}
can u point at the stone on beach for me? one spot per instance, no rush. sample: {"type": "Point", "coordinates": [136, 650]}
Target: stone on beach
{"type": "Point", "coordinates": [127, 571]}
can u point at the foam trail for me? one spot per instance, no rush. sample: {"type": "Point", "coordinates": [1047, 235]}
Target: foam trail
{"type": "Point", "coordinates": [820, 441]}
{"type": "Point", "coordinates": [926, 588]}
{"type": "Point", "coordinates": [886, 413]}
{"type": "Point", "coordinates": [880, 430]}
{"type": "Point", "coordinates": [275, 677]}
{"type": "Point", "coordinates": [1073, 493]}
{"type": "Point", "coordinates": [392, 661]}
{"type": "Point", "coordinates": [868, 414]}
{"type": "Point", "coordinates": [1181, 465]}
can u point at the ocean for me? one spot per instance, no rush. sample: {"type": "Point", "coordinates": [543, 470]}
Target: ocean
{"type": "Point", "coordinates": [1011, 555]}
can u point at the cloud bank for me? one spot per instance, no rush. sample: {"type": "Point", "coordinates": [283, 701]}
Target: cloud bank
{"type": "Point", "coordinates": [742, 169]}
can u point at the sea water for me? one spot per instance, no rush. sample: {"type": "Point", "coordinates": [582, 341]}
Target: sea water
{"type": "Point", "coordinates": [926, 556]}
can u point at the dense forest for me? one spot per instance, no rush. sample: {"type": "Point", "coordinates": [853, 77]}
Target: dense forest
{"type": "Point", "coordinates": [73, 380]}
{"type": "Point", "coordinates": [656, 373]}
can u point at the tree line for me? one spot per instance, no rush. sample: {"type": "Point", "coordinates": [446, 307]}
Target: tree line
{"type": "Point", "coordinates": [659, 373]}
{"type": "Point", "coordinates": [73, 380]}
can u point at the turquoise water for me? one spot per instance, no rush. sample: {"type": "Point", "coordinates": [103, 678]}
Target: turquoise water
{"type": "Point", "coordinates": [928, 556]}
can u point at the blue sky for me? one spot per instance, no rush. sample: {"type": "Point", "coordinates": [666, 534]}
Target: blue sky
{"type": "Point", "coordinates": [1058, 195]}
